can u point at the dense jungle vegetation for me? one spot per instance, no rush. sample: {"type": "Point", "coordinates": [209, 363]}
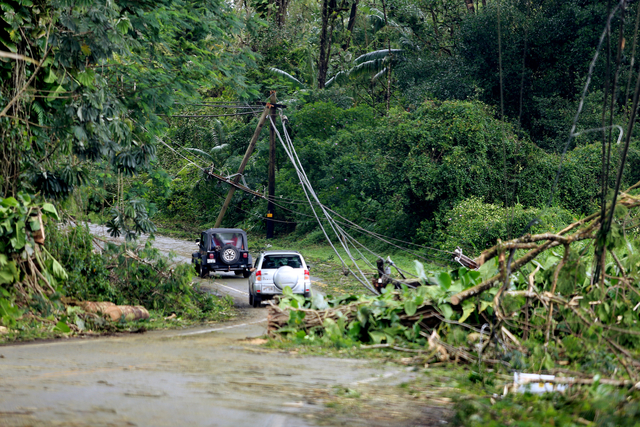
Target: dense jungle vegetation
{"type": "Point", "coordinates": [440, 123]}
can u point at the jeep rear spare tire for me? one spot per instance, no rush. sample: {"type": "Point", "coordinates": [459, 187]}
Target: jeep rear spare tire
{"type": "Point", "coordinates": [229, 254]}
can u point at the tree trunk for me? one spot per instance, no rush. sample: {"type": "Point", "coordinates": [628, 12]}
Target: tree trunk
{"type": "Point", "coordinates": [281, 12]}
{"type": "Point", "coordinates": [470, 7]}
{"type": "Point", "coordinates": [323, 60]}
{"type": "Point", "coordinates": [351, 24]}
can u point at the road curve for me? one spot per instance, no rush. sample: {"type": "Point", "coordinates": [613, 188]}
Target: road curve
{"type": "Point", "coordinates": [210, 375]}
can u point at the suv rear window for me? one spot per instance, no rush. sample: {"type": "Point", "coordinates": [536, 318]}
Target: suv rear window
{"type": "Point", "coordinates": [277, 261]}
{"type": "Point", "coordinates": [221, 239]}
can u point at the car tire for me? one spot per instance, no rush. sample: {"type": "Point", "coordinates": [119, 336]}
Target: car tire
{"type": "Point", "coordinates": [250, 299]}
{"type": "Point", "coordinates": [257, 301]}
{"type": "Point", "coordinates": [204, 272]}
{"type": "Point", "coordinates": [307, 295]}
{"type": "Point", "coordinates": [246, 274]}
{"type": "Point", "coordinates": [238, 272]}
{"type": "Point", "coordinates": [197, 266]}
{"type": "Point", "coordinates": [229, 254]}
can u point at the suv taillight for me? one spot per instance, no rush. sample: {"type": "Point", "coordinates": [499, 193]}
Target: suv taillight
{"type": "Point", "coordinates": [244, 255]}
{"type": "Point", "coordinates": [211, 256]}
{"type": "Point", "coordinates": [306, 275]}
{"type": "Point", "coordinates": [258, 276]}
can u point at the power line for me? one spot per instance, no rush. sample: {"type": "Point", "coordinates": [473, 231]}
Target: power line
{"type": "Point", "coordinates": [205, 116]}
{"type": "Point", "coordinates": [334, 224]}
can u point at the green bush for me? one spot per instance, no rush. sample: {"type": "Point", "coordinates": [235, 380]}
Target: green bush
{"type": "Point", "coordinates": [87, 270]}
{"type": "Point", "coordinates": [128, 275]}
{"type": "Point", "coordinates": [474, 225]}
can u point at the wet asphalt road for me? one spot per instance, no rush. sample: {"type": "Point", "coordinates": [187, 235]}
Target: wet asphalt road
{"type": "Point", "coordinates": [211, 375]}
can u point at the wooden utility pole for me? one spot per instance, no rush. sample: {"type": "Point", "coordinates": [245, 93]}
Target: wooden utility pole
{"type": "Point", "coordinates": [245, 160]}
{"type": "Point", "coordinates": [272, 170]}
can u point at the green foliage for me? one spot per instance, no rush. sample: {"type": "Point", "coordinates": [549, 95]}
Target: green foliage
{"type": "Point", "coordinates": [381, 318]}
{"type": "Point", "coordinates": [598, 405]}
{"type": "Point", "coordinates": [24, 265]}
{"type": "Point", "coordinates": [127, 275]}
{"type": "Point", "coordinates": [403, 175]}
{"type": "Point", "coordinates": [88, 270]}
{"type": "Point", "coordinates": [474, 225]}
{"type": "Point", "coordinates": [129, 218]}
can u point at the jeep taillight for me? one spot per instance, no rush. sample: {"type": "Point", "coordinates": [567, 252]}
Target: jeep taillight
{"type": "Point", "coordinates": [258, 276]}
{"type": "Point", "coordinates": [306, 275]}
{"type": "Point", "coordinates": [211, 256]}
{"type": "Point", "coordinates": [244, 255]}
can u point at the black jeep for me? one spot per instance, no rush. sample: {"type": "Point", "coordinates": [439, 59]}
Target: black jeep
{"type": "Point", "coordinates": [222, 249]}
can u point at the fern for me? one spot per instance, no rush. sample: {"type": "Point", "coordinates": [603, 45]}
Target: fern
{"type": "Point", "coordinates": [37, 108]}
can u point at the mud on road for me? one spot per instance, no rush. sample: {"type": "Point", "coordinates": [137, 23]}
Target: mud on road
{"type": "Point", "coordinates": [213, 375]}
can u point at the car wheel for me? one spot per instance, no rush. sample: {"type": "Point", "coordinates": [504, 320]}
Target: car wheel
{"type": "Point", "coordinates": [238, 272]}
{"type": "Point", "coordinates": [246, 274]}
{"type": "Point", "coordinates": [250, 299]}
{"type": "Point", "coordinates": [204, 272]}
{"type": "Point", "coordinates": [197, 266]}
{"type": "Point", "coordinates": [257, 301]}
{"type": "Point", "coordinates": [307, 295]}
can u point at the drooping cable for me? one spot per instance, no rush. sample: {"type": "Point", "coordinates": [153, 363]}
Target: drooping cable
{"type": "Point", "coordinates": [309, 192]}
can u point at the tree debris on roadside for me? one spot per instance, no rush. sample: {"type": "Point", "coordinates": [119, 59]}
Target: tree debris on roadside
{"type": "Point", "coordinates": [527, 308]}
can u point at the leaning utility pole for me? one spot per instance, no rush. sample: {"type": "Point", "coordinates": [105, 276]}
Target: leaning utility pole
{"type": "Point", "coordinates": [245, 160]}
{"type": "Point", "coordinates": [272, 170]}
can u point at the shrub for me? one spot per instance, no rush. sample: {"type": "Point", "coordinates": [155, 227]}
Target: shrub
{"type": "Point", "coordinates": [474, 225]}
{"type": "Point", "coordinates": [129, 275]}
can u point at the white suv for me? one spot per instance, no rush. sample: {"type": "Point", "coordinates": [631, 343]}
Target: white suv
{"type": "Point", "coordinates": [274, 270]}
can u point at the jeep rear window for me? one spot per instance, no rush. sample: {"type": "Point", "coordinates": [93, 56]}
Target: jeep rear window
{"type": "Point", "coordinates": [277, 261]}
{"type": "Point", "coordinates": [221, 239]}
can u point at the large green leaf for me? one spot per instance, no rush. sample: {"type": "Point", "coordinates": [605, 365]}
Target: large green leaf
{"type": "Point", "coordinates": [286, 75]}
{"type": "Point", "coordinates": [8, 273]}
{"type": "Point", "coordinates": [444, 280]}
{"type": "Point", "coordinates": [55, 93]}
{"type": "Point", "coordinates": [57, 269]}
{"type": "Point", "coordinates": [87, 78]}
{"type": "Point", "coordinates": [51, 76]}
{"type": "Point", "coordinates": [467, 308]}
{"type": "Point", "coordinates": [446, 310]}
{"type": "Point", "coordinates": [49, 208]}
{"type": "Point", "coordinates": [62, 327]}
{"type": "Point", "coordinates": [9, 202]}
{"type": "Point", "coordinates": [377, 54]}
{"type": "Point", "coordinates": [410, 307]}
{"type": "Point", "coordinates": [19, 238]}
